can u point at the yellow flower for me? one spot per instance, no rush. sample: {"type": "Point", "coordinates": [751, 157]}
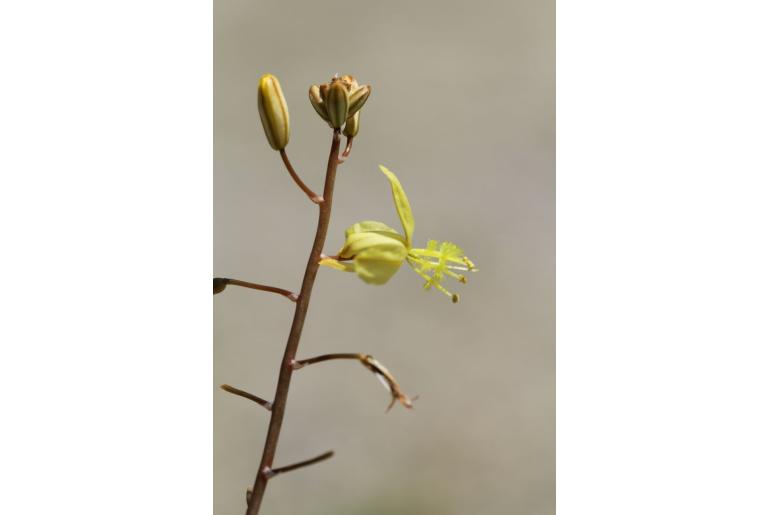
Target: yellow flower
{"type": "Point", "coordinates": [375, 251]}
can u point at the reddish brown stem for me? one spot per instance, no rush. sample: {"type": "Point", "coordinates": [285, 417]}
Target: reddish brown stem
{"type": "Point", "coordinates": [221, 282]}
{"type": "Point", "coordinates": [286, 369]}
{"type": "Point", "coordinates": [288, 468]}
{"type": "Point", "coordinates": [310, 193]}
{"type": "Point", "coordinates": [246, 395]}
{"type": "Point", "coordinates": [346, 153]}
{"type": "Point", "coordinates": [327, 357]}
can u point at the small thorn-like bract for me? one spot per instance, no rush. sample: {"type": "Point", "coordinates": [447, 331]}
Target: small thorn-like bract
{"type": "Point", "coordinates": [351, 126]}
{"type": "Point", "coordinates": [273, 111]}
{"type": "Point", "coordinates": [337, 104]}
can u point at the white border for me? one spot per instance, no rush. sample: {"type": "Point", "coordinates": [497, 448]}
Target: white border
{"type": "Point", "coordinates": [106, 212]}
{"type": "Point", "coordinates": [663, 215]}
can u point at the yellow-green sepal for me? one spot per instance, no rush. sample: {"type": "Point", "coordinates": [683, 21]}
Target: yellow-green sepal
{"type": "Point", "coordinates": [316, 100]}
{"type": "Point", "coordinates": [337, 104]}
{"type": "Point", "coordinates": [351, 126]}
{"type": "Point", "coordinates": [342, 266]}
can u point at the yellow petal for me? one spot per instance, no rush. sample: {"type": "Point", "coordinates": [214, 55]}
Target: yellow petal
{"type": "Point", "coordinates": [402, 204]}
{"type": "Point", "coordinates": [369, 226]}
{"type": "Point", "coordinates": [377, 265]}
{"type": "Point", "coordinates": [358, 242]}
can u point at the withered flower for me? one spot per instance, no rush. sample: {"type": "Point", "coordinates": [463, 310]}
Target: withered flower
{"type": "Point", "coordinates": [339, 100]}
{"type": "Point", "coordinates": [388, 381]}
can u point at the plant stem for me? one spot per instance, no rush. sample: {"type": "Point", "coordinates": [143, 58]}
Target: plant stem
{"type": "Point", "coordinates": [246, 395]}
{"type": "Point", "coordinates": [306, 463]}
{"type": "Point", "coordinates": [224, 281]}
{"type": "Point", "coordinates": [286, 370]}
{"type": "Point", "coordinates": [310, 193]}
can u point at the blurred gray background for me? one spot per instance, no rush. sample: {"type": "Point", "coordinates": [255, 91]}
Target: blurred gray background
{"type": "Point", "coordinates": [462, 110]}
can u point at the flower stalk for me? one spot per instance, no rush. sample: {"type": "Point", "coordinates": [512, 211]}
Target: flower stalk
{"type": "Point", "coordinates": [300, 312]}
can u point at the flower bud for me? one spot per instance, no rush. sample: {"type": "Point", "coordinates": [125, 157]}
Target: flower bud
{"type": "Point", "coordinates": [337, 104]}
{"type": "Point", "coordinates": [220, 283]}
{"type": "Point", "coordinates": [273, 111]}
{"type": "Point", "coordinates": [318, 103]}
{"type": "Point", "coordinates": [358, 98]}
{"type": "Point", "coordinates": [351, 126]}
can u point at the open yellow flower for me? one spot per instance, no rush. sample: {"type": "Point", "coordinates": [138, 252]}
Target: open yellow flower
{"type": "Point", "coordinates": [375, 251]}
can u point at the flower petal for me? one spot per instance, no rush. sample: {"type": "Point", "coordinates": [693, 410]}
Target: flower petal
{"type": "Point", "coordinates": [402, 205]}
{"type": "Point", "coordinates": [358, 242]}
{"type": "Point", "coordinates": [369, 226]}
{"type": "Point", "coordinates": [377, 265]}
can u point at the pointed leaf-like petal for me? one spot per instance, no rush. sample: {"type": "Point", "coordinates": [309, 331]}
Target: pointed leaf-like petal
{"type": "Point", "coordinates": [402, 204]}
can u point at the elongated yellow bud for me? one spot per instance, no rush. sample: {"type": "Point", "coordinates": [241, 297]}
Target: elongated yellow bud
{"type": "Point", "coordinates": [357, 99]}
{"type": "Point", "coordinates": [318, 102]}
{"type": "Point", "coordinates": [351, 126]}
{"type": "Point", "coordinates": [273, 111]}
{"type": "Point", "coordinates": [337, 104]}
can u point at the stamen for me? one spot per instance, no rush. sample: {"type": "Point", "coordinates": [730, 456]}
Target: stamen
{"type": "Point", "coordinates": [458, 277]}
{"type": "Point", "coordinates": [433, 281]}
{"type": "Point", "coordinates": [455, 298]}
{"type": "Point", "coordinates": [463, 268]}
